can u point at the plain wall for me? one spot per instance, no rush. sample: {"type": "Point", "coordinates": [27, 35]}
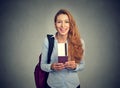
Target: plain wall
{"type": "Point", "coordinates": [25, 23]}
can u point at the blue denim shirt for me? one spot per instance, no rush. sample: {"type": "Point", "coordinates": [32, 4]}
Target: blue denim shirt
{"type": "Point", "coordinates": [59, 79]}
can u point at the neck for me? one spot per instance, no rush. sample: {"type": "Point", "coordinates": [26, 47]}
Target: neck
{"type": "Point", "coordinates": [61, 38]}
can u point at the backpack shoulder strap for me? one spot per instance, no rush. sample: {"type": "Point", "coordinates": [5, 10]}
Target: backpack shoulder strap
{"type": "Point", "coordinates": [51, 45]}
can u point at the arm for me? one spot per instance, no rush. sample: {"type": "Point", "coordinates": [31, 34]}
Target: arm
{"type": "Point", "coordinates": [81, 65]}
{"type": "Point", "coordinates": [77, 66]}
{"type": "Point", "coordinates": [44, 66]}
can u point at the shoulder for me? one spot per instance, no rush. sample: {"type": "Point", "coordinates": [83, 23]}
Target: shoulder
{"type": "Point", "coordinates": [46, 38]}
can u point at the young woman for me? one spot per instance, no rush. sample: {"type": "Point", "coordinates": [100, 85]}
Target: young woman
{"type": "Point", "coordinates": [64, 75]}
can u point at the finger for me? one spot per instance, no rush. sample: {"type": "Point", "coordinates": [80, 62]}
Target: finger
{"type": "Point", "coordinates": [59, 66]}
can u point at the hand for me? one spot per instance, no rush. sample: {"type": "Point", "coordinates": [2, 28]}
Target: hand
{"type": "Point", "coordinates": [70, 65]}
{"type": "Point", "coordinates": [57, 66]}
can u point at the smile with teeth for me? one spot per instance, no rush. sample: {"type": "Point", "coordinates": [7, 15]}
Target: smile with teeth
{"type": "Point", "coordinates": [63, 29]}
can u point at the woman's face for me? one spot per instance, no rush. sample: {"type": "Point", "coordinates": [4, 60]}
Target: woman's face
{"type": "Point", "coordinates": [62, 24]}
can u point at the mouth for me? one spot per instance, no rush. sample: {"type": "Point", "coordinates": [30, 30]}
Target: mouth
{"type": "Point", "coordinates": [63, 30]}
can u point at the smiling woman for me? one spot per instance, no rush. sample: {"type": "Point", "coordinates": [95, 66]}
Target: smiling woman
{"type": "Point", "coordinates": [24, 23]}
{"type": "Point", "coordinates": [66, 72]}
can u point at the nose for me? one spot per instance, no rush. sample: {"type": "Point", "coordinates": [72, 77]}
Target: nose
{"type": "Point", "coordinates": [63, 24]}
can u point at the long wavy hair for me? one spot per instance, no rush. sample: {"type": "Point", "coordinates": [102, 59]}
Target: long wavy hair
{"type": "Point", "coordinates": [75, 50]}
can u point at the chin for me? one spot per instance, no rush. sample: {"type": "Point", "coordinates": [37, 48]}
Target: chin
{"type": "Point", "coordinates": [63, 34]}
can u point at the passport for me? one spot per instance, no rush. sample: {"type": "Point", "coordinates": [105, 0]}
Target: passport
{"type": "Point", "coordinates": [62, 53]}
{"type": "Point", "coordinates": [62, 59]}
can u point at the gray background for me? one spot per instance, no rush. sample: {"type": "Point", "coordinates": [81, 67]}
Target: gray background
{"type": "Point", "coordinates": [24, 24]}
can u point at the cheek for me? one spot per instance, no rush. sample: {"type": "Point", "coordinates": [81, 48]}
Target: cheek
{"type": "Point", "coordinates": [68, 25]}
{"type": "Point", "coordinates": [58, 25]}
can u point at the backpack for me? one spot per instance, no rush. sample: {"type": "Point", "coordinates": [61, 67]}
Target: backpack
{"type": "Point", "coordinates": [41, 76]}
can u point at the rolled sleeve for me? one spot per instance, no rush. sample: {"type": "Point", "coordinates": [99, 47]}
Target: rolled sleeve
{"type": "Point", "coordinates": [80, 66]}
{"type": "Point", "coordinates": [46, 67]}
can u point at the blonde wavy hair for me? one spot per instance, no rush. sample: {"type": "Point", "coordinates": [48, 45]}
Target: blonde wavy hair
{"type": "Point", "coordinates": [75, 50]}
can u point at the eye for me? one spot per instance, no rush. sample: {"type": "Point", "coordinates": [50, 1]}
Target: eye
{"type": "Point", "coordinates": [66, 21]}
{"type": "Point", "coordinates": [58, 21]}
